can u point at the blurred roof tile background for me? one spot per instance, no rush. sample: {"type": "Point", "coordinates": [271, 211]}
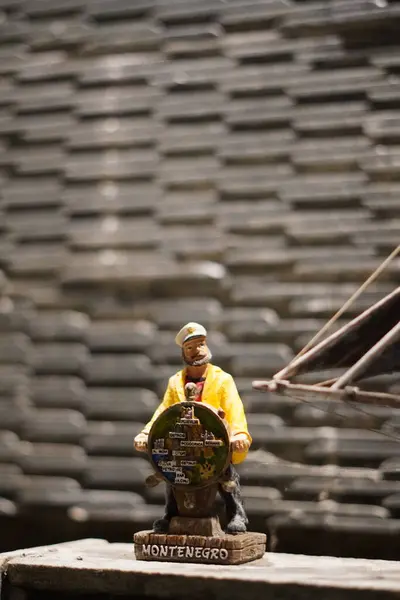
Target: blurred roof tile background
{"type": "Point", "coordinates": [233, 162]}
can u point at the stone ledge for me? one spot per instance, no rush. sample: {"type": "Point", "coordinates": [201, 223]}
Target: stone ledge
{"type": "Point", "coordinates": [94, 566]}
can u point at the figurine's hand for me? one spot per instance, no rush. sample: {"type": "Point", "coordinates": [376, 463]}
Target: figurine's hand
{"type": "Point", "coordinates": [240, 442]}
{"type": "Point", "coordinates": [140, 442]}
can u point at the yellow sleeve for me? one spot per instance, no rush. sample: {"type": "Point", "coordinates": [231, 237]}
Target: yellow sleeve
{"type": "Point", "coordinates": [167, 401]}
{"type": "Point", "coordinates": [233, 406]}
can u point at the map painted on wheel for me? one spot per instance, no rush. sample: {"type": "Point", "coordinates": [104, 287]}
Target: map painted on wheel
{"type": "Point", "coordinates": [189, 445]}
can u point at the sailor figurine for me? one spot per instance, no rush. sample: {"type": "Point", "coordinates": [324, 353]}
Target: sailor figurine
{"type": "Point", "coordinates": [216, 388]}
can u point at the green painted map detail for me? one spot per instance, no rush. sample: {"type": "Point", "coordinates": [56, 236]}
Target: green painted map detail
{"type": "Point", "coordinates": [189, 445]}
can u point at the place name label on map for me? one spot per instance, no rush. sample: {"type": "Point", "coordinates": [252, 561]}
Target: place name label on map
{"type": "Point", "coordinates": [177, 435]}
{"type": "Point", "coordinates": [178, 452]}
{"type": "Point", "coordinates": [192, 443]}
{"type": "Point", "coordinates": [181, 478]}
{"type": "Point", "coordinates": [169, 466]}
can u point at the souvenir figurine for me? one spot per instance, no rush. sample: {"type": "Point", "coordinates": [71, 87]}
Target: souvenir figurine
{"type": "Point", "coordinates": [194, 440]}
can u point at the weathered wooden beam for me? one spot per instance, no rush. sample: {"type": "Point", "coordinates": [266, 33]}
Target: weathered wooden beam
{"type": "Point", "coordinates": [94, 568]}
{"type": "Point", "coordinates": [308, 392]}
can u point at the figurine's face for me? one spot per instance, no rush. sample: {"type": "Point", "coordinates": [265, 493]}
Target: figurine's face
{"type": "Point", "coordinates": [195, 352]}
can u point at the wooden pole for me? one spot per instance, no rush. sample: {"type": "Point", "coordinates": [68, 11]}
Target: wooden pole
{"type": "Point", "coordinates": [368, 358]}
{"type": "Point", "coordinates": [349, 302]}
{"type": "Point", "coordinates": [291, 369]}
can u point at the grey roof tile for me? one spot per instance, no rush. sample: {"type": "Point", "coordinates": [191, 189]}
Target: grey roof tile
{"type": "Point", "coordinates": [111, 164]}
{"type": "Point", "coordinates": [54, 425]}
{"type": "Point", "coordinates": [114, 101]}
{"type": "Point", "coordinates": [56, 358]}
{"type": "Point", "coordinates": [91, 232]}
{"type": "Point", "coordinates": [105, 9]}
{"type": "Point", "coordinates": [11, 479]}
{"type": "Point", "coordinates": [61, 326]}
{"type": "Point", "coordinates": [120, 473]}
{"type": "Point", "coordinates": [107, 438]}
{"type": "Point", "coordinates": [112, 132]}
{"type": "Point", "coordinates": [61, 460]}
{"type": "Point", "coordinates": [120, 335]}
{"type": "Point", "coordinates": [110, 197]}
{"type": "Point", "coordinates": [119, 403]}
{"type": "Point", "coordinates": [126, 369]}
{"type": "Point", "coordinates": [186, 10]}
{"type": "Point", "coordinates": [58, 391]}
{"type": "Point", "coordinates": [116, 36]}
{"type": "Point", "coordinates": [45, 7]}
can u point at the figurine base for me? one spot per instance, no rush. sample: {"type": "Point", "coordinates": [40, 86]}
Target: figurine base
{"type": "Point", "coordinates": [223, 550]}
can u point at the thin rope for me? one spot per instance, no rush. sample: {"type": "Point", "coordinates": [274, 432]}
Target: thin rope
{"type": "Point", "coordinates": [347, 304]}
{"type": "Point", "coordinates": [353, 405]}
{"type": "Point", "coordinates": [339, 417]}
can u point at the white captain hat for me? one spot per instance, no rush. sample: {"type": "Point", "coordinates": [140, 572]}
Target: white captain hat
{"type": "Point", "coordinates": [190, 330]}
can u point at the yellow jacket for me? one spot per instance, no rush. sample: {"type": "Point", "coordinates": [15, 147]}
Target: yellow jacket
{"type": "Point", "coordinates": [219, 392]}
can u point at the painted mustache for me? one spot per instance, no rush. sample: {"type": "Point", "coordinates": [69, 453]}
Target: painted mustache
{"type": "Point", "coordinates": [197, 360]}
